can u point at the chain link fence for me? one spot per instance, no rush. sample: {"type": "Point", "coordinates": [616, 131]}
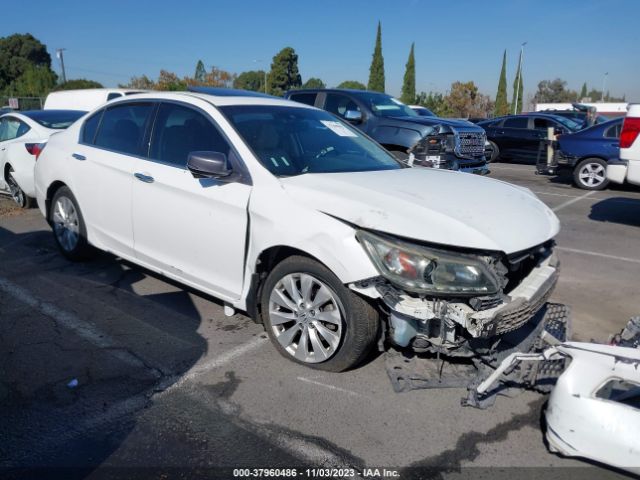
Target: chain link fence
{"type": "Point", "coordinates": [22, 103]}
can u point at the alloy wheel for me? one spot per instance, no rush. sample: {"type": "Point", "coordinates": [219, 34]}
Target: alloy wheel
{"type": "Point", "coordinates": [306, 317]}
{"type": "Point", "coordinates": [65, 223]}
{"type": "Point", "coordinates": [592, 175]}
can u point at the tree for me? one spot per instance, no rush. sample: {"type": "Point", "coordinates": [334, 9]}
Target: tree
{"type": "Point", "coordinates": [376, 71]}
{"type": "Point", "coordinates": [554, 91]}
{"type": "Point", "coordinates": [200, 74]}
{"type": "Point", "coordinates": [409, 83]}
{"type": "Point", "coordinates": [465, 101]}
{"type": "Point", "coordinates": [216, 78]}
{"type": "Point", "coordinates": [353, 84]}
{"type": "Point", "coordinates": [583, 92]}
{"type": "Point", "coordinates": [284, 73]}
{"type": "Point", "coordinates": [142, 83]}
{"type": "Point", "coordinates": [434, 102]}
{"type": "Point", "coordinates": [502, 105]}
{"type": "Point", "coordinates": [35, 81]}
{"type": "Point", "coordinates": [314, 82]}
{"type": "Point", "coordinates": [518, 89]}
{"type": "Point", "coordinates": [252, 80]}
{"type": "Point", "coordinates": [77, 84]}
{"type": "Point", "coordinates": [18, 52]}
{"type": "Point", "coordinates": [170, 81]}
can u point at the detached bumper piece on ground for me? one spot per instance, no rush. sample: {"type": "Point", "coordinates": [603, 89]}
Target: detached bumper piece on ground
{"type": "Point", "coordinates": [411, 371]}
{"type": "Point", "coordinates": [594, 409]}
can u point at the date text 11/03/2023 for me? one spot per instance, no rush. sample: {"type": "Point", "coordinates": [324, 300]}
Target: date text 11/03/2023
{"type": "Point", "coordinates": [315, 473]}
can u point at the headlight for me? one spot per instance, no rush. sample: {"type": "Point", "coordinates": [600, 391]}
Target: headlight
{"type": "Point", "coordinates": [426, 270]}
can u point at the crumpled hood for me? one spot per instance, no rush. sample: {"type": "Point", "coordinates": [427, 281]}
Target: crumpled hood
{"type": "Point", "coordinates": [437, 206]}
{"type": "Point", "coordinates": [431, 121]}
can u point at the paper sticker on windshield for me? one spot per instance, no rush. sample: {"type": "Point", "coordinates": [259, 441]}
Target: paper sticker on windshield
{"type": "Point", "coordinates": [338, 128]}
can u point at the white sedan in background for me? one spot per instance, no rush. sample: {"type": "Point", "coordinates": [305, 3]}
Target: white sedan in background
{"type": "Point", "coordinates": [22, 137]}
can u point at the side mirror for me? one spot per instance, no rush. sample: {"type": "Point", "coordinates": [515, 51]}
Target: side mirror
{"type": "Point", "coordinates": [208, 164]}
{"type": "Point", "coordinates": [353, 116]}
{"type": "Point", "coordinates": [559, 131]}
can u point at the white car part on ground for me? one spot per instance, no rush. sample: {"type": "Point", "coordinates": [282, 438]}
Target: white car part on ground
{"type": "Point", "coordinates": [594, 409]}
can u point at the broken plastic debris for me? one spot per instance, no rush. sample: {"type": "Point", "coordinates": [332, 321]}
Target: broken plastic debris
{"type": "Point", "coordinates": [73, 383]}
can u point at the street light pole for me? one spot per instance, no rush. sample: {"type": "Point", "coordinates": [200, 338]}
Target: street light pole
{"type": "Point", "coordinates": [519, 78]}
{"type": "Point", "coordinates": [61, 58]}
{"type": "Point", "coordinates": [604, 82]}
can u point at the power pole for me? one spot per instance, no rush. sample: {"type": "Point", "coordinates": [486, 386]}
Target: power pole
{"type": "Point", "coordinates": [61, 58]}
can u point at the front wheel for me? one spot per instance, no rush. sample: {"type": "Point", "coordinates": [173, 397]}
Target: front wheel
{"type": "Point", "coordinates": [591, 174]}
{"type": "Point", "coordinates": [315, 320]}
{"type": "Point", "coordinates": [495, 152]}
{"type": "Point", "coordinates": [18, 195]}
{"type": "Point", "coordinates": [68, 225]}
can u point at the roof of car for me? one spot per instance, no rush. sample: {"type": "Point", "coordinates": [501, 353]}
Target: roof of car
{"type": "Point", "coordinates": [338, 90]}
{"type": "Point", "coordinates": [217, 97]}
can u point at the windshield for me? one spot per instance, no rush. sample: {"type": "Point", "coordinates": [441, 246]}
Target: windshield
{"type": "Point", "coordinates": [292, 141]}
{"type": "Point", "coordinates": [56, 119]}
{"type": "Point", "coordinates": [385, 106]}
{"type": "Point", "coordinates": [567, 122]}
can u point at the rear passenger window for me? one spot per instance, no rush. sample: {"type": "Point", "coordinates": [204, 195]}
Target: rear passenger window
{"type": "Point", "coordinates": [90, 127]}
{"type": "Point", "coordinates": [613, 131]}
{"type": "Point", "coordinates": [516, 122]}
{"type": "Point", "coordinates": [123, 126]}
{"type": "Point", "coordinates": [180, 130]}
{"type": "Point", "coordinates": [306, 98]}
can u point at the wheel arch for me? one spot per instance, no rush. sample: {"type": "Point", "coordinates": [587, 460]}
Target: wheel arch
{"type": "Point", "coordinates": [51, 191]}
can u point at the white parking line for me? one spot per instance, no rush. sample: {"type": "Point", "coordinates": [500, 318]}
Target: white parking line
{"type": "Point", "coordinates": [598, 254]}
{"type": "Point", "coordinates": [71, 322]}
{"type": "Point", "coordinates": [219, 361]}
{"type": "Point", "coordinates": [572, 201]}
{"type": "Point", "coordinates": [332, 387]}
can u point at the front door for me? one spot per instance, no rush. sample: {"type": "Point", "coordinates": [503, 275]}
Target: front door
{"type": "Point", "coordinates": [194, 229]}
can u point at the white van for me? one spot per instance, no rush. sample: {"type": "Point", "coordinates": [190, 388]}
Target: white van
{"type": "Point", "coordinates": [85, 100]}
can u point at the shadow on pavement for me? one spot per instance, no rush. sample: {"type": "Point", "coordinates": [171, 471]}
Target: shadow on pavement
{"type": "Point", "coordinates": [625, 211]}
{"type": "Point", "coordinates": [81, 354]}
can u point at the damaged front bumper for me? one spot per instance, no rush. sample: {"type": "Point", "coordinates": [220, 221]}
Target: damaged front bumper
{"type": "Point", "coordinates": [450, 327]}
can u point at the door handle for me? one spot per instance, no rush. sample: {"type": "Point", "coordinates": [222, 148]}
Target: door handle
{"type": "Point", "coordinates": [143, 178]}
{"type": "Point", "coordinates": [77, 156]}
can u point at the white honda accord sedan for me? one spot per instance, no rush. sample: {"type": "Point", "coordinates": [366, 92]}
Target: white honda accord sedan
{"type": "Point", "coordinates": [22, 137]}
{"type": "Point", "coordinates": [286, 212]}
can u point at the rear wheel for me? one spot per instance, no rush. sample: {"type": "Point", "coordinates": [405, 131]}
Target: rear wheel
{"type": "Point", "coordinates": [313, 319]}
{"type": "Point", "coordinates": [591, 174]}
{"type": "Point", "coordinates": [18, 195]}
{"type": "Point", "coordinates": [495, 152]}
{"type": "Point", "coordinates": [68, 225]}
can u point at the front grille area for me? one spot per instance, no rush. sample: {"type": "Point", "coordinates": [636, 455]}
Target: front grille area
{"type": "Point", "coordinates": [470, 145]}
{"type": "Point", "coordinates": [520, 264]}
{"type": "Point", "coordinates": [520, 312]}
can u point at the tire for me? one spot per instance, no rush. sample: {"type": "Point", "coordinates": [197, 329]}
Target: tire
{"type": "Point", "coordinates": [339, 331]}
{"type": "Point", "coordinates": [591, 174]}
{"type": "Point", "coordinates": [495, 153]}
{"type": "Point", "coordinates": [18, 195]}
{"type": "Point", "coordinates": [69, 229]}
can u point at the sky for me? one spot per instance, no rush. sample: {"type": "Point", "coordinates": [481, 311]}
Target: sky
{"type": "Point", "coordinates": [575, 40]}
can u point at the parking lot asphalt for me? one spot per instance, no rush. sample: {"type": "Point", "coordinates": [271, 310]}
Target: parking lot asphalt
{"type": "Point", "coordinates": [108, 370]}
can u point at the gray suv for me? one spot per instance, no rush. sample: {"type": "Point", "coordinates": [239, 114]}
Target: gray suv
{"type": "Point", "coordinates": [433, 141]}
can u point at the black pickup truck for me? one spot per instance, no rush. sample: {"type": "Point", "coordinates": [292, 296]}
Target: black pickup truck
{"type": "Point", "coordinates": [426, 141]}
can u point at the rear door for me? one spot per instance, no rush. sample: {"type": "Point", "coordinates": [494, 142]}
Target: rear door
{"type": "Point", "coordinates": [611, 135]}
{"type": "Point", "coordinates": [192, 228]}
{"type": "Point", "coordinates": [110, 141]}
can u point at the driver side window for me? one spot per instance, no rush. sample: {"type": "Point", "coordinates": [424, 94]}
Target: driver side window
{"type": "Point", "coordinates": [340, 104]}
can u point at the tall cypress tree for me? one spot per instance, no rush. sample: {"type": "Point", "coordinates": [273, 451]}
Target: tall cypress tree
{"type": "Point", "coordinates": [409, 84]}
{"type": "Point", "coordinates": [502, 105]}
{"type": "Point", "coordinates": [583, 92]}
{"type": "Point", "coordinates": [201, 73]}
{"type": "Point", "coordinates": [517, 89]}
{"type": "Point", "coordinates": [376, 71]}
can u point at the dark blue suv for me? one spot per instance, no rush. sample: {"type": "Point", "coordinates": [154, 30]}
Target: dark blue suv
{"type": "Point", "coordinates": [427, 141]}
